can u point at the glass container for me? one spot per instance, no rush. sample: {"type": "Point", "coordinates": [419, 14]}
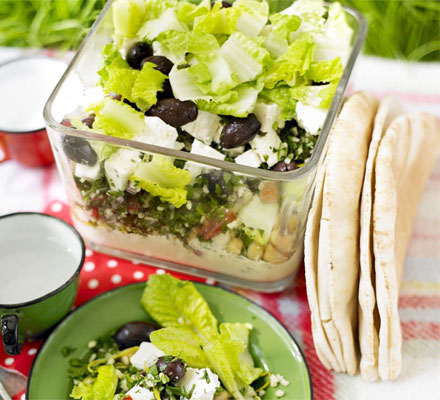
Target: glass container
{"type": "Point", "coordinates": [202, 237]}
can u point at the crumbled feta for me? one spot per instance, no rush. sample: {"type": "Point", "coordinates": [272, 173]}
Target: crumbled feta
{"type": "Point", "coordinates": [201, 149]}
{"type": "Point", "coordinates": [140, 393]}
{"type": "Point", "coordinates": [120, 166]}
{"type": "Point", "coordinates": [158, 133]}
{"type": "Point", "coordinates": [205, 383]}
{"type": "Point", "coordinates": [269, 116]}
{"type": "Point", "coordinates": [310, 118]}
{"type": "Point", "coordinates": [268, 147]}
{"type": "Point", "coordinates": [249, 158]}
{"type": "Point", "coordinates": [146, 355]}
{"type": "Point", "coordinates": [88, 173]}
{"type": "Point", "coordinates": [279, 393]}
{"type": "Point", "coordinates": [236, 151]}
{"type": "Point", "coordinates": [204, 128]}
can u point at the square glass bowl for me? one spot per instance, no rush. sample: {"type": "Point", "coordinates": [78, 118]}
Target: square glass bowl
{"type": "Point", "coordinates": [201, 237]}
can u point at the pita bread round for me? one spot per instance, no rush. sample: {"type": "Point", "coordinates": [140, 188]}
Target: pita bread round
{"type": "Point", "coordinates": [346, 160]}
{"type": "Point", "coordinates": [323, 349]}
{"type": "Point", "coordinates": [388, 110]}
{"type": "Point", "coordinates": [405, 158]}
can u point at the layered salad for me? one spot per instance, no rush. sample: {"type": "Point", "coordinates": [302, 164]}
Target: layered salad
{"type": "Point", "coordinates": [183, 355]}
{"type": "Point", "coordinates": [229, 81]}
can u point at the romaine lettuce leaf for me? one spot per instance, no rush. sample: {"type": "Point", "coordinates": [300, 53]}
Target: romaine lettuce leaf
{"type": "Point", "coordinates": [240, 107]}
{"type": "Point", "coordinates": [188, 12]}
{"type": "Point", "coordinates": [238, 353]}
{"type": "Point", "coordinates": [282, 97]}
{"type": "Point", "coordinates": [277, 42]}
{"type": "Point", "coordinates": [292, 64]}
{"type": "Point", "coordinates": [218, 21]}
{"type": "Point", "coordinates": [311, 13]}
{"type": "Point", "coordinates": [148, 82]}
{"type": "Point", "coordinates": [161, 178]}
{"type": "Point", "coordinates": [175, 303]}
{"type": "Point", "coordinates": [253, 16]}
{"type": "Point", "coordinates": [325, 71]}
{"type": "Point", "coordinates": [112, 59]}
{"type": "Point", "coordinates": [155, 8]}
{"type": "Point", "coordinates": [106, 383]}
{"type": "Point", "coordinates": [317, 96]}
{"type": "Point", "coordinates": [83, 390]}
{"type": "Point", "coordinates": [181, 342]}
{"type": "Point", "coordinates": [120, 81]}
{"type": "Point", "coordinates": [118, 119]}
{"type": "Point", "coordinates": [166, 22]}
{"type": "Point", "coordinates": [246, 57]}
{"type": "Point", "coordinates": [128, 16]}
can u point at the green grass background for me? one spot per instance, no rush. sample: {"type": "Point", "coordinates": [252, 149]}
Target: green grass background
{"type": "Point", "coordinates": [403, 29]}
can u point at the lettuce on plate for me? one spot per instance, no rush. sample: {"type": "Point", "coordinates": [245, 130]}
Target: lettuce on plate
{"type": "Point", "coordinates": [192, 332]}
{"type": "Point", "coordinates": [161, 178]}
{"type": "Point", "coordinates": [83, 390]}
{"type": "Point", "coordinates": [282, 27]}
{"type": "Point", "coordinates": [128, 16]}
{"type": "Point", "coordinates": [106, 383]}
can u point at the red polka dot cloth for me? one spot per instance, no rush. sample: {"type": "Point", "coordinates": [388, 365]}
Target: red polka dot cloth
{"type": "Point", "coordinates": [416, 86]}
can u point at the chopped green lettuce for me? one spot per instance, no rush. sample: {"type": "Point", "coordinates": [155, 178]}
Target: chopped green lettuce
{"type": "Point", "coordinates": [128, 16]}
{"type": "Point", "coordinates": [188, 12]}
{"type": "Point", "coordinates": [166, 22]}
{"type": "Point", "coordinates": [253, 16]}
{"type": "Point", "coordinates": [293, 64]}
{"type": "Point", "coordinates": [83, 390]}
{"type": "Point", "coordinates": [325, 71]}
{"type": "Point", "coordinates": [218, 21]}
{"type": "Point", "coordinates": [183, 342]}
{"type": "Point", "coordinates": [106, 383]}
{"type": "Point", "coordinates": [148, 82]}
{"type": "Point", "coordinates": [112, 59]}
{"type": "Point", "coordinates": [317, 96]}
{"type": "Point", "coordinates": [161, 178]}
{"type": "Point", "coordinates": [120, 81]}
{"type": "Point", "coordinates": [118, 119]}
{"type": "Point", "coordinates": [282, 97]}
{"type": "Point", "coordinates": [278, 39]}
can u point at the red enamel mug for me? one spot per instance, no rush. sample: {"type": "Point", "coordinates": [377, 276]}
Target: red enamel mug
{"type": "Point", "coordinates": [25, 85]}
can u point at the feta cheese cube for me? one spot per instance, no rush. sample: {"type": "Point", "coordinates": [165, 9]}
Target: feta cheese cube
{"type": "Point", "coordinates": [88, 173]}
{"type": "Point", "coordinates": [268, 147]}
{"type": "Point", "coordinates": [269, 116]}
{"type": "Point", "coordinates": [205, 383]}
{"type": "Point", "coordinates": [204, 128]}
{"type": "Point", "coordinates": [249, 158]}
{"type": "Point", "coordinates": [120, 166]}
{"type": "Point", "coordinates": [140, 393]}
{"type": "Point", "coordinates": [147, 354]}
{"type": "Point", "coordinates": [202, 149]}
{"type": "Point", "coordinates": [158, 133]}
{"type": "Point", "coordinates": [310, 118]}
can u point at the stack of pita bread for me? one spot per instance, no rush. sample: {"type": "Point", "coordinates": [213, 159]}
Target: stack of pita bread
{"type": "Point", "coordinates": [358, 230]}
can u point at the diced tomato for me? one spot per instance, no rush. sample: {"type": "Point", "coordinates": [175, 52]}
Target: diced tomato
{"type": "Point", "coordinates": [213, 226]}
{"type": "Point", "coordinates": [95, 212]}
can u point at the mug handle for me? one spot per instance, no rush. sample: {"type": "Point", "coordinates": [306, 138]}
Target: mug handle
{"type": "Point", "coordinates": [4, 153]}
{"type": "Point", "coordinates": [10, 339]}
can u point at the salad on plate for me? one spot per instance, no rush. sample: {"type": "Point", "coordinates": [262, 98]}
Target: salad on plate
{"type": "Point", "coordinates": [185, 355]}
{"type": "Point", "coordinates": [229, 81]}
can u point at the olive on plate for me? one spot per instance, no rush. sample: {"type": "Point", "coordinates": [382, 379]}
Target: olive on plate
{"type": "Point", "coordinates": [134, 333]}
{"type": "Point", "coordinates": [172, 367]}
{"type": "Point", "coordinates": [137, 52]}
{"type": "Point", "coordinates": [282, 166]}
{"type": "Point", "coordinates": [239, 131]}
{"type": "Point", "coordinates": [174, 112]}
{"type": "Point", "coordinates": [79, 150]}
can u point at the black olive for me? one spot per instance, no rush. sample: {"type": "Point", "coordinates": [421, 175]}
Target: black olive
{"type": "Point", "coordinates": [66, 122]}
{"type": "Point", "coordinates": [173, 367]}
{"type": "Point", "coordinates": [174, 112]}
{"type": "Point", "coordinates": [79, 150]}
{"type": "Point", "coordinates": [216, 184]}
{"type": "Point", "coordinates": [239, 131]}
{"type": "Point", "coordinates": [115, 96]}
{"type": "Point", "coordinates": [162, 64]}
{"type": "Point", "coordinates": [167, 92]}
{"type": "Point", "coordinates": [88, 121]}
{"type": "Point", "coordinates": [137, 52]}
{"type": "Point", "coordinates": [134, 333]}
{"type": "Point", "coordinates": [283, 167]}
{"type": "Point", "coordinates": [225, 4]}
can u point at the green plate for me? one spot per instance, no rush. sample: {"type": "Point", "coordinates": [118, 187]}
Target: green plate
{"type": "Point", "coordinates": [271, 343]}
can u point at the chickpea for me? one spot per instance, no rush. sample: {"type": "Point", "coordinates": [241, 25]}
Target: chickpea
{"type": "Point", "coordinates": [273, 256]}
{"type": "Point", "coordinates": [235, 246]}
{"type": "Point", "coordinates": [283, 243]}
{"type": "Point", "coordinates": [269, 192]}
{"type": "Point", "coordinates": [255, 251]}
